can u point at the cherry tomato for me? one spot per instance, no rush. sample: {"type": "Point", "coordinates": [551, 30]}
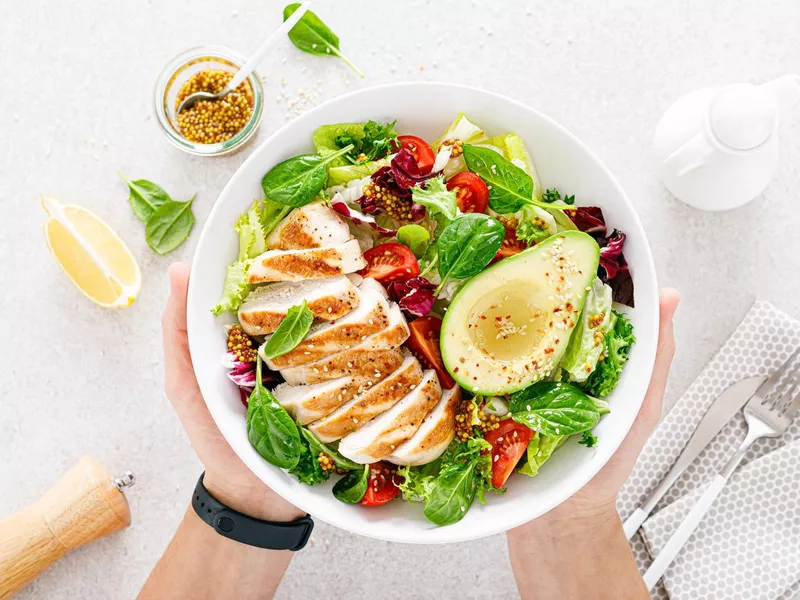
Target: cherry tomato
{"type": "Point", "coordinates": [390, 262]}
{"type": "Point", "coordinates": [509, 442]}
{"type": "Point", "coordinates": [424, 344]}
{"type": "Point", "coordinates": [510, 246]}
{"type": "Point", "coordinates": [471, 192]}
{"type": "Point", "coordinates": [422, 152]}
{"type": "Point", "coordinates": [381, 485]}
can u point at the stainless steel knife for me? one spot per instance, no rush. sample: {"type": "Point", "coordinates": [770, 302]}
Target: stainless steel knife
{"type": "Point", "coordinates": [721, 411]}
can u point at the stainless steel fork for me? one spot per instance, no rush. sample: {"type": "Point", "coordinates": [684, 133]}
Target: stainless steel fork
{"type": "Point", "coordinates": [768, 414]}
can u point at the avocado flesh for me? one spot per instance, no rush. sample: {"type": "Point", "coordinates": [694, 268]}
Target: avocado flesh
{"type": "Point", "coordinates": [510, 325]}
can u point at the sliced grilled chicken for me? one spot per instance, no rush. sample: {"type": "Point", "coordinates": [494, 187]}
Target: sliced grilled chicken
{"type": "Point", "coordinates": [434, 435]}
{"type": "Point", "coordinates": [314, 225]}
{"type": "Point", "coordinates": [308, 403]}
{"type": "Point", "coordinates": [369, 283]}
{"type": "Point", "coordinates": [296, 265]}
{"type": "Point", "coordinates": [375, 364]}
{"type": "Point", "coordinates": [323, 339]}
{"type": "Point", "coordinates": [358, 358]}
{"type": "Point", "coordinates": [385, 433]}
{"type": "Point", "coordinates": [377, 400]}
{"type": "Point", "coordinates": [266, 306]}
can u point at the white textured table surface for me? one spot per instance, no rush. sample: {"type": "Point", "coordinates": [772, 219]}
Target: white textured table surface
{"type": "Point", "coordinates": [81, 380]}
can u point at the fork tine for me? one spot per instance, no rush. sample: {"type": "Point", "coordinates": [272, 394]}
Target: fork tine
{"type": "Point", "coordinates": [773, 380]}
{"type": "Point", "coordinates": [791, 410]}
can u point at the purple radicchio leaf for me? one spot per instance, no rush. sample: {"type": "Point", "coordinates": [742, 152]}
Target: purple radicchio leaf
{"type": "Point", "coordinates": [414, 296]}
{"type": "Point", "coordinates": [243, 374]}
{"type": "Point", "coordinates": [613, 268]}
{"type": "Point", "coordinates": [406, 170]}
{"type": "Point", "coordinates": [589, 219]}
{"type": "Point", "coordinates": [360, 218]}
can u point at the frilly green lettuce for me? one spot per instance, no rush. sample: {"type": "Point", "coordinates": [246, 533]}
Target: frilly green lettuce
{"type": "Point", "coordinates": [235, 289]}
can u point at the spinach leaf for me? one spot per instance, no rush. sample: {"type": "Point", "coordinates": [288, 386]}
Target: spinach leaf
{"type": "Point", "coordinates": [317, 446]}
{"type": "Point", "coordinates": [467, 245]}
{"type": "Point", "coordinates": [554, 408]}
{"type": "Point", "coordinates": [510, 187]}
{"type": "Point", "coordinates": [169, 226]}
{"type": "Point", "coordinates": [297, 181]}
{"type": "Point", "coordinates": [435, 196]}
{"type": "Point", "coordinates": [415, 237]}
{"type": "Point", "coordinates": [145, 197]}
{"type": "Point", "coordinates": [290, 332]}
{"type": "Point", "coordinates": [313, 36]}
{"type": "Point", "coordinates": [352, 487]}
{"type": "Point", "coordinates": [453, 492]}
{"type": "Point", "coordinates": [308, 470]}
{"type": "Point", "coordinates": [270, 429]}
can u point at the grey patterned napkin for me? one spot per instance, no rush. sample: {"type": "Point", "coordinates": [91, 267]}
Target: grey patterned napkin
{"type": "Point", "coordinates": [738, 551]}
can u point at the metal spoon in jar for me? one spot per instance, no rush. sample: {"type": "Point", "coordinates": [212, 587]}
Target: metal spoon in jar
{"type": "Point", "coordinates": [250, 65]}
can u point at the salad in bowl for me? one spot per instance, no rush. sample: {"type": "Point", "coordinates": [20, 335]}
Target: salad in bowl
{"type": "Point", "coordinates": [422, 320]}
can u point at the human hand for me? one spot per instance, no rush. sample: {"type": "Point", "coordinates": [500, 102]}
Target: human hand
{"type": "Point", "coordinates": [595, 503]}
{"type": "Point", "coordinates": [227, 478]}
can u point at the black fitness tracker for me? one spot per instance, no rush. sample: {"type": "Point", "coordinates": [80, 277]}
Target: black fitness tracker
{"type": "Point", "coordinates": [239, 527]}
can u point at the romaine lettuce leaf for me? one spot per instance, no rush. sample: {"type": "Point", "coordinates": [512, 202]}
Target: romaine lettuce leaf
{"type": "Point", "coordinates": [325, 139]}
{"type": "Point", "coordinates": [251, 234]}
{"type": "Point", "coordinates": [534, 224]}
{"type": "Point", "coordinates": [435, 196]}
{"type": "Point", "coordinates": [617, 344]}
{"type": "Point", "coordinates": [342, 174]}
{"type": "Point", "coordinates": [540, 449]}
{"type": "Point", "coordinates": [587, 342]}
{"type": "Point", "coordinates": [235, 289]}
{"type": "Point", "coordinates": [462, 129]}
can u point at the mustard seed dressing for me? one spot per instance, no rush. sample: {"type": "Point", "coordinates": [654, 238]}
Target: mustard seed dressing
{"type": "Point", "coordinates": [213, 122]}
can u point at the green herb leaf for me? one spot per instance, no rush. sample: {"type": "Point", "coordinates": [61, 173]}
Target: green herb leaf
{"type": "Point", "coordinates": [317, 446]}
{"type": "Point", "coordinates": [313, 36]}
{"type": "Point", "coordinates": [415, 237]}
{"type": "Point", "coordinates": [326, 137]}
{"type": "Point", "coordinates": [145, 197]}
{"type": "Point", "coordinates": [352, 487]}
{"type": "Point", "coordinates": [554, 408]}
{"type": "Point", "coordinates": [235, 289]}
{"type": "Point", "coordinates": [467, 245]}
{"type": "Point", "coordinates": [169, 226]}
{"type": "Point", "coordinates": [588, 439]}
{"type": "Point", "coordinates": [553, 195]}
{"type": "Point", "coordinates": [290, 332]}
{"type": "Point", "coordinates": [270, 429]}
{"type": "Point", "coordinates": [435, 196]}
{"type": "Point", "coordinates": [618, 343]}
{"type": "Point", "coordinates": [297, 181]}
{"type": "Point", "coordinates": [377, 141]}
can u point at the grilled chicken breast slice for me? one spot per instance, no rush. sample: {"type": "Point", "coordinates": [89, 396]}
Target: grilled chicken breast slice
{"type": "Point", "coordinates": [314, 225]}
{"type": "Point", "coordinates": [314, 263]}
{"type": "Point", "coordinates": [266, 306]}
{"type": "Point", "coordinates": [434, 435]}
{"type": "Point", "coordinates": [375, 364]}
{"type": "Point", "coordinates": [308, 403]}
{"type": "Point", "coordinates": [385, 433]}
{"type": "Point", "coordinates": [375, 401]}
{"type": "Point", "coordinates": [325, 338]}
{"type": "Point", "coordinates": [344, 362]}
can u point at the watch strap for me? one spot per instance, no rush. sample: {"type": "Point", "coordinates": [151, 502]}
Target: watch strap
{"type": "Point", "coordinates": [232, 524]}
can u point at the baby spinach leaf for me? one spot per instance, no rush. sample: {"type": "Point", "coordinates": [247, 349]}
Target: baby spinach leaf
{"type": "Point", "coordinates": [290, 332]}
{"type": "Point", "coordinates": [415, 237]}
{"type": "Point", "coordinates": [169, 226]}
{"type": "Point", "coordinates": [453, 493]}
{"type": "Point", "coordinates": [555, 408]}
{"type": "Point", "coordinates": [352, 487]}
{"type": "Point", "coordinates": [308, 470]}
{"type": "Point", "coordinates": [510, 187]}
{"type": "Point", "coordinates": [270, 429]}
{"type": "Point", "coordinates": [313, 36]}
{"type": "Point", "coordinates": [297, 181]}
{"type": "Point", "coordinates": [467, 245]}
{"type": "Point", "coordinates": [317, 446]}
{"type": "Point", "coordinates": [145, 197]}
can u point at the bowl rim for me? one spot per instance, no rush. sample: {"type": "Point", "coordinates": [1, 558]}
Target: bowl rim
{"type": "Point", "coordinates": [648, 273]}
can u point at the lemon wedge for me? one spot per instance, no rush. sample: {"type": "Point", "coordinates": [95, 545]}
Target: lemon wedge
{"type": "Point", "coordinates": [95, 259]}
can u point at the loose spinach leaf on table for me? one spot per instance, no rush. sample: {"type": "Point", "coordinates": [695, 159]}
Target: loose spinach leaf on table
{"type": "Point", "coordinates": [313, 36]}
{"type": "Point", "coordinates": [290, 332]}
{"type": "Point", "coordinates": [270, 429]}
{"type": "Point", "coordinates": [169, 226]}
{"type": "Point", "coordinates": [317, 446]}
{"type": "Point", "coordinates": [556, 408]}
{"type": "Point", "coordinates": [467, 245]}
{"type": "Point", "coordinates": [510, 187]}
{"type": "Point", "coordinates": [352, 487]}
{"type": "Point", "coordinates": [145, 197]}
{"type": "Point", "coordinates": [297, 181]}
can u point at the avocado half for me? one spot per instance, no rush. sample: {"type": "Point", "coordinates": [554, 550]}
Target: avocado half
{"type": "Point", "coordinates": [509, 325]}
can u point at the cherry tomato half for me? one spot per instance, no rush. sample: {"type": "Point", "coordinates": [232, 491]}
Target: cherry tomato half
{"type": "Point", "coordinates": [390, 262]}
{"type": "Point", "coordinates": [509, 442]}
{"type": "Point", "coordinates": [424, 344]}
{"type": "Point", "coordinates": [381, 485]}
{"type": "Point", "coordinates": [510, 246]}
{"type": "Point", "coordinates": [421, 151]}
{"type": "Point", "coordinates": [471, 192]}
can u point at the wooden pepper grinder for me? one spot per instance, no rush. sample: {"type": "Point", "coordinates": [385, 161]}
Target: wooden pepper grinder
{"type": "Point", "coordinates": [86, 504]}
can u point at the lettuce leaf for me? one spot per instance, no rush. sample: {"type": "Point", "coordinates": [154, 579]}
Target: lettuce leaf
{"type": "Point", "coordinates": [435, 196]}
{"type": "Point", "coordinates": [534, 224]}
{"type": "Point", "coordinates": [587, 342]}
{"type": "Point", "coordinates": [617, 347]}
{"type": "Point", "coordinates": [235, 289]}
{"type": "Point", "coordinates": [252, 240]}
{"type": "Point", "coordinates": [513, 148]}
{"type": "Point", "coordinates": [342, 174]}
{"type": "Point", "coordinates": [540, 449]}
{"type": "Point", "coordinates": [308, 470]}
{"type": "Point", "coordinates": [326, 135]}
{"type": "Point", "coordinates": [462, 129]}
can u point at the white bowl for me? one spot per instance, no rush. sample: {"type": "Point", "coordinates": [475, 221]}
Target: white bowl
{"type": "Point", "coordinates": [425, 109]}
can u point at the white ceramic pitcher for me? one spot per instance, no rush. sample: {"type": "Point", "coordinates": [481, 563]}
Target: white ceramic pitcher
{"type": "Point", "coordinates": [717, 148]}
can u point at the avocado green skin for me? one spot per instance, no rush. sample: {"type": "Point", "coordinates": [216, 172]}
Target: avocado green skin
{"type": "Point", "coordinates": [588, 259]}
